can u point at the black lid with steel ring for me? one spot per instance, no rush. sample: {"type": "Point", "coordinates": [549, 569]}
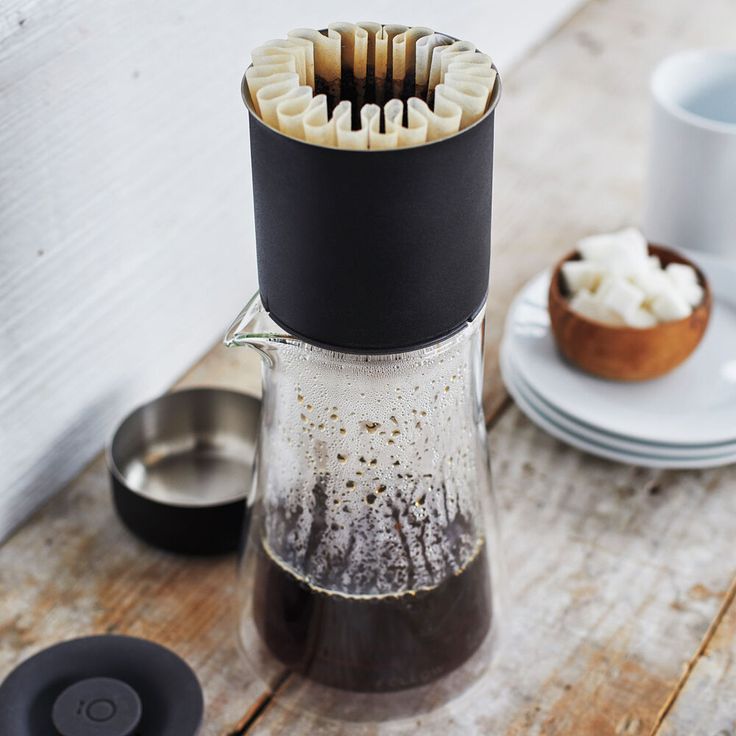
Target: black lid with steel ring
{"type": "Point", "coordinates": [102, 686]}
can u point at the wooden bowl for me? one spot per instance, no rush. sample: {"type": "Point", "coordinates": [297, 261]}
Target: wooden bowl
{"type": "Point", "coordinates": [626, 353]}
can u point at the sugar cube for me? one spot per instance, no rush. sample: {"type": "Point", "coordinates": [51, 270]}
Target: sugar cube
{"type": "Point", "coordinates": [685, 280]}
{"type": "Point", "coordinates": [618, 282]}
{"type": "Point", "coordinates": [670, 305]}
{"type": "Point", "coordinates": [581, 275]}
{"type": "Point", "coordinates": [641, 318]}
{"type": "Point", "coordinates": [599, 248]}
{"type": "Point", "coordinates": [693, 294]}
{"type": "Point", "coordinates": [626, 248]}
{"type": "Point", "coordinates": [631, 241]}
{"type": "Point", "coordinates": [650, 281]}
{"type": "Point", "coordinates": [588, 305]}
{"type": "Point", "coordinates": [681, 273]}
{"type": "Point", "coordinates": [621, 296]}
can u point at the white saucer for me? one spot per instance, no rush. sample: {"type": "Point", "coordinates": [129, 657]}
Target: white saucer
{"type": "Point", "coordinates": [613, 440]}
{"type": "Point", "coordinates": [643, 455]}
{"type": "Point", "coordinates": [693, 407]}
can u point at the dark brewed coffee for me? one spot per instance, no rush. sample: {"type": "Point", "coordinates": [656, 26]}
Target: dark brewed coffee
{"type": "Point", "coordinates": [372, 643]}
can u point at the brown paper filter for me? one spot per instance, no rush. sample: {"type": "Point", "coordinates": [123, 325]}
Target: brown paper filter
{"type": "Point", "coordinates": [365, 86]}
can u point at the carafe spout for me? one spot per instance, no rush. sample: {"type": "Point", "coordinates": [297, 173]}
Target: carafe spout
{"type": "Point", "coordinates": [254, 328]}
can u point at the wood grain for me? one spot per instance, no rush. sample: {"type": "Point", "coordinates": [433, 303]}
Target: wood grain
{"type": "Point", "coordinates": [607, 568]}
{"type": "Point", "coordinates": [76, 571]}
{"type": "Point", "coordinates": [703, 704]}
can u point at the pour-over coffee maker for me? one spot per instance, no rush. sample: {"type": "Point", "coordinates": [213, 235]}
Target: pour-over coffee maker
{"type": "Point", "coordinates": [367, 568]}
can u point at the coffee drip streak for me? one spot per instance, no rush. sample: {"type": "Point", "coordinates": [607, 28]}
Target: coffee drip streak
{"type": "Point", "coordinates": [459, 531]}
{"type": "Point", "coordinates": [411, 572]}
{"type": "Point", "coordinates": [319, 521]}
{"type": "Point", "coordinates": [422, 524]}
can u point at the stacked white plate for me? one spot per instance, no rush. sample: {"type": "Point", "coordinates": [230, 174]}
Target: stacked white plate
{"type": "Point", "coordinates": [686, 419]}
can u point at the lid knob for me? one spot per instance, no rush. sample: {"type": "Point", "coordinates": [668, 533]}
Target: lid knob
{"type": "Point", "coordinates": [98, 706]}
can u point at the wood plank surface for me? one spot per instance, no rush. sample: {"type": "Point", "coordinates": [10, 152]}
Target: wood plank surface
{"type": "Point", "coordinates": [704, 704]}
{"type": "Point", "coordinates": [75, 571]}
{"type": "Point", "coordinates": [618, 619]}
{"type": "Point", "coordinates": [616, 573]}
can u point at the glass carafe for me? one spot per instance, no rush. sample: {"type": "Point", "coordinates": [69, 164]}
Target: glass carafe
{"type": "Point", "coordinates": [367, 565]}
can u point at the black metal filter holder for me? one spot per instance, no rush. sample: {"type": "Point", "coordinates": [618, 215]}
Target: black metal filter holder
{"type": "Point", "coordinates": [181, 468]}
{"type": "Point", "coordinates": [102, 686]}
{"type": "Point", "coordinates": [373, 251]}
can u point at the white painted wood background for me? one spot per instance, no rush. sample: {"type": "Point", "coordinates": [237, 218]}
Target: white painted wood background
{"type": "Point", "coordinates": [126, 236]}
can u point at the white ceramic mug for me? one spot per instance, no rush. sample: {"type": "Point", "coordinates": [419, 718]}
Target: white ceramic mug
{"type": "Point", "coordinates": [691, 200]}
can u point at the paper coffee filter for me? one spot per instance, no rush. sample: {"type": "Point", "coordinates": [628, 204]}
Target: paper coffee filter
{"type": "Point", "coordinates": [424, 53]}
{"type": "Point", "coordinates": [367, 86]}
{"type": "Point", "coordinates": [271, 97]}
{"type": "Point", "coordinates": [290, 112]}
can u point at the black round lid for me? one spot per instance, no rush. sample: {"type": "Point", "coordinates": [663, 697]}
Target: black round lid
{"type": "Point", "coordinates": [102, 686]}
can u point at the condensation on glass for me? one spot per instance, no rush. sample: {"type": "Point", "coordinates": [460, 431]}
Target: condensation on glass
{"type": "Point", "coordinates": [367, 567]}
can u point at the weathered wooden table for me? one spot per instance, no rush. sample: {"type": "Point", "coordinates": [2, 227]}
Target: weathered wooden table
{"type": "Point", "coordinates": [622, 579]}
